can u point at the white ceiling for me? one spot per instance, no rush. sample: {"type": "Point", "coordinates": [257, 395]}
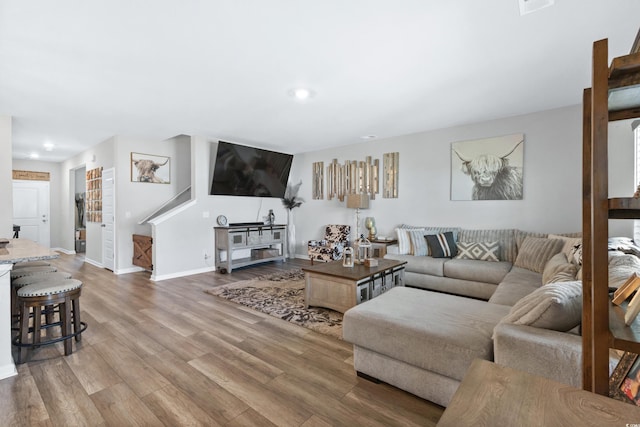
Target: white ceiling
{"type": "Point", "coordinates": [76, 72]}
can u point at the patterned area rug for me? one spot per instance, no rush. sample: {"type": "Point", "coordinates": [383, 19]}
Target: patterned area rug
{"type": "Point", "coordinates": [282, 295]}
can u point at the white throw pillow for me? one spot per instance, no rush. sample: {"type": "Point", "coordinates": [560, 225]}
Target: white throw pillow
{"type": "Point", "coordinates": [404, 240]}
{"type": "Point", "coordinates": [556, 306]}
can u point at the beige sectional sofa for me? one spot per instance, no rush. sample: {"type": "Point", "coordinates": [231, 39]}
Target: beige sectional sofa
{"type": "Point", "coordinates": [423, 337]}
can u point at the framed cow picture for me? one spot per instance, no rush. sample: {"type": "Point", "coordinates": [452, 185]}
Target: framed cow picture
{"type": "Point", "coordinates": [150, 168]}
{"type": "Point", "coordinates": [488, 169]}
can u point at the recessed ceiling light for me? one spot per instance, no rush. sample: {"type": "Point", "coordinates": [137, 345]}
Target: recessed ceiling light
{"type": "Point", "coordinates": [34, 155]}
{"type": "Point", "coordinates": [48, 146]}
{"type": "Point", "coordinates": [302, 93]}
{"type": "Point", "coordinates": [368, 137]}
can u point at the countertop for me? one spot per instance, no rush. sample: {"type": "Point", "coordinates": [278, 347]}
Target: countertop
{"type": "Point", "coordinates": [20, 250]}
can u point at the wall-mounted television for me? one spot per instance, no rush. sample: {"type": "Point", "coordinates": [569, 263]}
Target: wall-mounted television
{"type": "Point", "coordinates": [248, 171]}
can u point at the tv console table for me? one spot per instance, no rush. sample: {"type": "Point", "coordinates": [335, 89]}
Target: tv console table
{"type": "Point", "coordinates": [265, 243]}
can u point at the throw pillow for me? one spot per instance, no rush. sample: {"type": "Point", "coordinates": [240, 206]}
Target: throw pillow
{"type": "Point", "coordinates": [484, 251]}
{"type": "Point", "coordinates": [575, 254]}
{"type": "Point", "coordinates": [556, 306]}
{"type": "Point", "coordinates": [404, 240]}
{"type": "Point", "coordinates": [569, 243]}
{"type": "Point", "coordinates": [558, 269]}
{"type": "Point", "coordinates": [442, 245]}
{"type": "Point", "coordinates": [536, 252]}
{"type": "Point", "coordinates": [432, 230]}
{"type": "Point", "coordinates": [418, 243]}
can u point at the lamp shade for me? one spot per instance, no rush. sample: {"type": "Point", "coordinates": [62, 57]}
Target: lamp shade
{"type": "Point", "coordinates": [358, 201]}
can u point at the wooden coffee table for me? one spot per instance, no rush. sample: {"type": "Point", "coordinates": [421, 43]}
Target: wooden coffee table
{"type": "Point", "coordinates": [333, 286]}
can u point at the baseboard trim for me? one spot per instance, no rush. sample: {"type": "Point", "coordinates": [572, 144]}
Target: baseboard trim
{"type": "Point", "coordinates": [129, 270]}
{"type": "Point", "coordinates": [8, 370]}
{"type": "Point", "coordinates": [92, 262]}
{"type": "Point", "coordinates": [64, 251]}
{"type": "Point", "coordinates": [158, 278]}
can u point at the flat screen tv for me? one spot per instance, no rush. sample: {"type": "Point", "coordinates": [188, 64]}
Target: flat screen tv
{"type": "Point", "coordinates": [248, 171]}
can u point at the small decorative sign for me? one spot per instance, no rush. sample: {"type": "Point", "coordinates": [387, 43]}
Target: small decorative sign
{"type": "Point", "coordinates": [31, 175]}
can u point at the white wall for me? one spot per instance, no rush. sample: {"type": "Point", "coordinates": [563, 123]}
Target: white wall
{"type": "Point", "coordinates": [552, 188]}
{"type": "Point", "coordinates": [552, 178]}
{"type": "Point", "coordinates": [181, 241]}
{"type": "Point", "coordinates": [136, 200]}
{"type": "Point", "coordinates": [55, 194]}
{"type": "Point", "coordinates": [6, 178]}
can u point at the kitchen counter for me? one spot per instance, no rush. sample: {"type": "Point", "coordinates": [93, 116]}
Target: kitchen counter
{"type": "Point", "coordinates": [18, 250]}
{"type": "Point", "coordinates": [21, 250]}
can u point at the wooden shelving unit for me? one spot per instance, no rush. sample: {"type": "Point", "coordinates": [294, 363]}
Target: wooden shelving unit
{"type": "Point", "coordinates": [614, 95]}
{"type": "Point", "coordinates": [93, 210]}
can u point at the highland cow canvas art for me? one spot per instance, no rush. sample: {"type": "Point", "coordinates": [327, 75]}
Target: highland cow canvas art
{"type": "Point", "coordinates": [488, 169]}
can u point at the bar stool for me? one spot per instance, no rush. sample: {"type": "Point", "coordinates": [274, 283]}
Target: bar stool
{"type": "Point", "coordinates": [65, 294]}
{"type": "Point", "coordinates": [28, 271]}
{"type": "Point", "coordinates": [30, 280]}
{"type": "Point", "coordinates": [25, 264]}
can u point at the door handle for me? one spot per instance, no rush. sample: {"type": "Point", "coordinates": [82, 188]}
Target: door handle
{"type": "Point", "coordinates": [103, 225]}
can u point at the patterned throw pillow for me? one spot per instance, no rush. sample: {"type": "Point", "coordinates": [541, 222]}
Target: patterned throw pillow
{"type": "Point", "coordinates": [418, 243]}
{"type": "Point", "coordinates": [575, 254]}
{"type": "Point", "coordinates": [442, 245]}
{"type": "Point", "coordinates": [483, 251]}
{"type": "Point", "coordinates": [404, 240]}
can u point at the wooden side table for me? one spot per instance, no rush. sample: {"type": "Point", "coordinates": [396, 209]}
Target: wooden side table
{"type": "Point", "coordinates": [379, 247]}
{"type": "Point", "coordinates": [493, 395]}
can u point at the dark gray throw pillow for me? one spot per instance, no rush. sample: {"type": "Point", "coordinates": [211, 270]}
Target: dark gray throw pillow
{"type": "Point", "coordinates": [442, 245]}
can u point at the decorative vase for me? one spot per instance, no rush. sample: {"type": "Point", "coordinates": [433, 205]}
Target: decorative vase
{"type": "Point", "coordinates": [291, 235]}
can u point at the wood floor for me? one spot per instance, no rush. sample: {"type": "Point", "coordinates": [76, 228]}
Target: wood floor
{"type": "Point", "coordinates": [166, 353]}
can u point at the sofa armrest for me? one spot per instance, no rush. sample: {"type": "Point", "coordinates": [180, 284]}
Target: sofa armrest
{"type": "Point", "coordinates": [543, 352]}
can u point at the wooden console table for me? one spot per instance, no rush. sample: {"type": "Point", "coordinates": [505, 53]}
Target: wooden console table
{"type": "Point", "coordinates": [262, 243]}
{"type": "Point", "coordinates": [333, 286]}
{"type": "Point", "coordinates": [493, 395]}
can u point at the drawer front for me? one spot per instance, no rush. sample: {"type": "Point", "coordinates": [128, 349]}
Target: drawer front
{"type": "Point", "coordinates": [362, 292]}
{"type": "Point", "coordinates": [237, 238]}
{"type": "Point", "coordinates": [398, 277]}
{"type": "Point", "coordinates": [278, 235]}
{"type": "Point", "coordinates": [376, 286]}
{"type": "Point", "coordinates": [254, 237]}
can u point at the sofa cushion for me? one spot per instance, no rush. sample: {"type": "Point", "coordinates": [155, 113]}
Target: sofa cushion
{"type": "Point", "coordinates": [421, 264]}
{"type": "Point", "coordinates": [437, 332]}
{"type": "Point", "coordinates": [556, 306]}
{"type": "Point", "coordinates": [441, 245]}
{"type": "Point", "coordinates": [506, 238]}
{"type": "Point", "coordinates": [558, 269]}
{"type": "Point", "coordinates": [518, 283]}
{"type": "Point", "coordinates": [482, 251]}
{"type": "Point", "coordinates": [480, 271]}
{"type": "Point", "coordinates": [536, 251]}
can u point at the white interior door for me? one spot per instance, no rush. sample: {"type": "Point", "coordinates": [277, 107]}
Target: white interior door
{"type": "Point", "coordinates": [108, 219]}
{"type": "Point", "coordinates": [31, 210]}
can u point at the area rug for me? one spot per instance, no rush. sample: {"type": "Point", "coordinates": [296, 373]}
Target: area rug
{"type": "Point", "coordinates": [282, 295]}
